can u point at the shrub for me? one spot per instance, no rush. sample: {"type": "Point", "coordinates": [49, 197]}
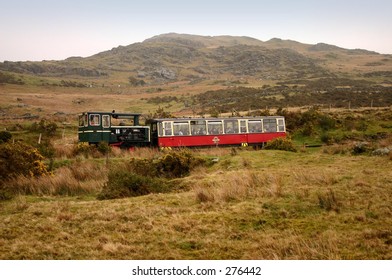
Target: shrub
{"type": "Point", "coordinates": [82, 149]}
{"type": "Point", "coordinates": [94, 151]}
{"type": "Point", "coordinates": [178, 163]}
{"type": "Point", "coordinates": [361, 148]}
{"type": "Point", "coordinates": [47, 149]}
{"type": "Point", "coordinates": [15, 160]}
{"type": "Point", "coordinates": [307, 129]}
{"type": "Point", "coordinates": [284, 144]}
{"type": "Point", "coordinates": [46, 127]}
{"type": "Point", "coordinates": [20, 159]}
{"type": "Point", "coordinates": [326, 122]}
{"type": "Point", "coordinates": [5, 136]}
{"type": "Point", "coordinates": [326, 138]}
{"type": "Point", "coordinates": [144, 167]}
{"type": "Point", "coordinates": [104, 148]}
{"type": "Point", "coordinates": [121, 183]}
{"type": "Point", "coordinates": [144, 176]}
{"type": "Point", "coordinates": [172, 164]}
{"type": "Point", "coordinates": [6, 78]}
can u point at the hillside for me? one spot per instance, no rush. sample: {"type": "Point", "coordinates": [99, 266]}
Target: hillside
{"type": "Point", "coordinates": [181, 57]}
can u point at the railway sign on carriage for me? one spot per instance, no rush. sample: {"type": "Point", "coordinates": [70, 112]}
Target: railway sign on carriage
{"type": "Point", "coordinates": [216, 140]}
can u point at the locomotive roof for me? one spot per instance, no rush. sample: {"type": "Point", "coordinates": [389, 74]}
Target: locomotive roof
{"type": "Point", "coordinates": [112, 113]}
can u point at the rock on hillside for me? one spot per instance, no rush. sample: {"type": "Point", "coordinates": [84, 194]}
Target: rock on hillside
{"type": "Point", "coordinates": [174, 56]}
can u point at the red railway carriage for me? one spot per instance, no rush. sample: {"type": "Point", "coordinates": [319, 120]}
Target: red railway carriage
{"type": "Point", "coordinates": [192, 132]}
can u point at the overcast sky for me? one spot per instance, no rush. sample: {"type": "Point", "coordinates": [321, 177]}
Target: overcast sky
{"type": "Point", "coordinates": [49, 29]}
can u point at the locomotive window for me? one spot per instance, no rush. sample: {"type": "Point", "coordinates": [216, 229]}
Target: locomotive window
{"type": "Point", "coordinates": [231, 126]}
{"type": "Point", "coordinates": [215, 127]}
{"type": "Point", "coordinates": [181, 128]}
{"type": "Point", "coordinates": [94, 120]}
{"type": "Point", "coordinates": [269, 125]}
{"type": "Point", "coordinates": [81, 120]}
{"type": "Point", "coordinates": [281, 125]}
{"type": "Point", "coordinates": [85, 120]}
{"type": "Point", "coordinates": [255, 126]}
{"type": "Point", "coordinates": [167, 129]}
{"type": "Point", "coordinates": [106, 121]}
{"type": "Point", "coordinates": [198, 128]}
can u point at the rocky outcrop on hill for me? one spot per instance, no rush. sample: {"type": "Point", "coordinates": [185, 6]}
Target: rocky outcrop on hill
{"type": "Point", "coordinates": [170, 57]}
{"type": "Point", "coordinates": [50, 69]}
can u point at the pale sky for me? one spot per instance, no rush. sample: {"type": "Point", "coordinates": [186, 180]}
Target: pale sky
{"type": "Point", "coordinates": [38, 30]}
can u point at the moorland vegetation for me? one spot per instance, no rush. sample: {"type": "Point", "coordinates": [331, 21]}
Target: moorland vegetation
{"type": "Point", "coordinates": [288, 201]}
{"type": "Point", "coordinates": [324, 192]}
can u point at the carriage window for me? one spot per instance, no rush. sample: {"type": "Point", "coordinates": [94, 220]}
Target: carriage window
{"type": "Point", "coordinates": [269, 125]}
{"type": "Point", "coordinates": [243, 126]}
{"type": "Point", "coordinates": [94, 120]}
{"type": "Point", "coordinates": [281, 125]}
{"type": "Point", "coordinates": [255, 126]}
{"type": "Point", "coordinates": [215, 127]}
{"type": "Point", "coordinates": [167, 128]}
{"type": "Point", "coordinates": [181, 128]}
{"type": "Point", "coordinates": [198, 127]}
{"type": "Point", "coordinates": [85, 120]}
{"type": "Point", "coordinates": [231, 126]}
{"type": "Point", "coordinates": [106, 121]}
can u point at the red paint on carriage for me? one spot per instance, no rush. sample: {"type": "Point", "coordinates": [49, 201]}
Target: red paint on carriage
{"type": "Point", "coordinates": [234, 131]}
{"type": "Point", "coordinates": [218, 139]}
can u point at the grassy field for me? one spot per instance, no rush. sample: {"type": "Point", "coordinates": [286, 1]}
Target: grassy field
{"type": "Point", "coordinates": [317, 203]}
{"type": "Point", "coordinates": [313, 204]}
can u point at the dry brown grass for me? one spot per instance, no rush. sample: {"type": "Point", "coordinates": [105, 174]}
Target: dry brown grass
{"type": "Point", "coordinates": [80, 178]}
{"type": "Point", "coordinates": [271, 209]}
{"type": "Point", "coordinates": [237, 186]}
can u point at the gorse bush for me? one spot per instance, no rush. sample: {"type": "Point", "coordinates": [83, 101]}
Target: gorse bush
{"type": "Point", "coordinates": [178, 163]}
{"type": "Point", "coordinates": [284, 144]}
{"type": "Point", "coordinates": [172, 164]}
{"type": "Point", "coordinates": [95, 151]}
{"type": "Point", "coordinates": [20, 159]}
{"type": "Point", "coordinates": [122, 183]}
{"type": "Point", "coordinates": [144, 176]}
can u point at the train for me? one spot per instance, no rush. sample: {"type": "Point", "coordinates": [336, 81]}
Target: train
{"type": "Point", "coordinates": [125, 131]}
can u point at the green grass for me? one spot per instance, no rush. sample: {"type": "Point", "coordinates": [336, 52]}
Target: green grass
{"type": "Point", "coordinates": [251, 205]}
{"type": "Point", "coordinates": [318, 203]}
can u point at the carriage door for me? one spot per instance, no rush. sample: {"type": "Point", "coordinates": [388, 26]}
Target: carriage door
{"type": "Point", "coordinates": [154, 127]}
{"type": "Point", "coordinates": [243, 132]}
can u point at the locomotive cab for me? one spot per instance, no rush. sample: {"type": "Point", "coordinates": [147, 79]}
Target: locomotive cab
{"type": "Point", "coordinates": [116, 129]}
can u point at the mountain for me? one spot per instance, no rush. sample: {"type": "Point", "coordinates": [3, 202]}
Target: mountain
{"type": "Point", "coordinates": [172, 57]}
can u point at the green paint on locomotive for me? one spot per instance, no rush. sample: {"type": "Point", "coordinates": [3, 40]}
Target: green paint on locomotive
{"type": "Point", "coordinates": [114, 128]}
